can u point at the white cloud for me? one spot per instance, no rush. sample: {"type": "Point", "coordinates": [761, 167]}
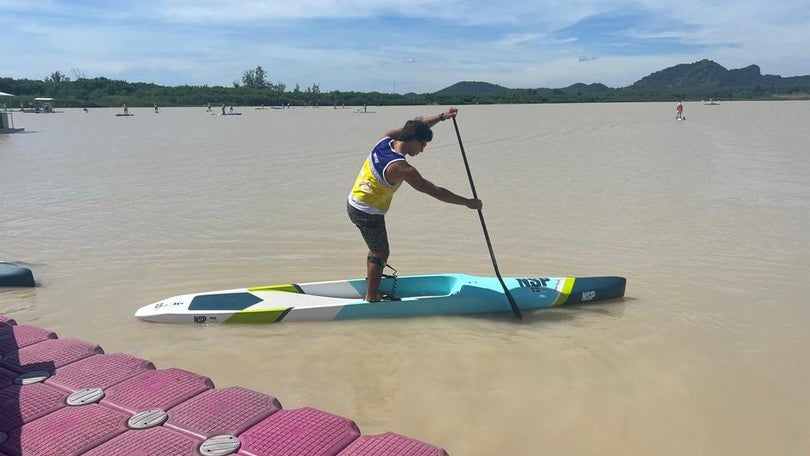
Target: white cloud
{"type": "Point", "coordinates": [424, 44]}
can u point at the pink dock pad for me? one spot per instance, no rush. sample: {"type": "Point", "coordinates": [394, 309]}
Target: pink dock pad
{"type": "Point", "coordinates": [222, 411]}
{"type": "Point", "coordinates": [156, 389]}
{"type": "Point", "coordinates": [35, 419]}
{"type": "Point", "coordinates": [48, 355]}
{"type": "Point", "coordinates": [22, 404]}
{"type": "Point", "coordinates": [390, 444]}
{"type": "Point", "coordinates": [295, 432]}
{"type": "Point", "coordinates": [66, 432]}
{"type": "Point", "coordinates": [99, 371]}
{"type": "Point", "coordinates": [157, 441]}
{"type": "Point", "coordinates": [14, 337]}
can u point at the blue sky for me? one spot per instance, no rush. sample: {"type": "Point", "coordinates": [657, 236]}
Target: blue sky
{"type": "Point", "coordinates": [398, 45]}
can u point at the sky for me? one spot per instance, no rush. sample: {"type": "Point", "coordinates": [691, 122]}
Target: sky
{"type": "Point", "coordinates": [397, 46]}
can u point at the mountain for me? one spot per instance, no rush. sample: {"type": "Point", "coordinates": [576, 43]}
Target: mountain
{"type": "Point", "coordinates": [703, 73]}
{"type": "Point", "coordinates": [587, 88]}
{"type": "Point", "coordinates": [709, 74]}
{"type": "Point", "coordinates": [472, 88]}
{"type": "Point", "coordinates": [697, 80]}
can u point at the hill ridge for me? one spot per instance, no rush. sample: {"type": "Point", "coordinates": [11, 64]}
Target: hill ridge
{"type": "Point", "coordinates": [701, 75]}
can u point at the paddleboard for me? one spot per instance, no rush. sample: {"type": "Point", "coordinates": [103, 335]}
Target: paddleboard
{"type": "Point", "coordinates": [442, 294]}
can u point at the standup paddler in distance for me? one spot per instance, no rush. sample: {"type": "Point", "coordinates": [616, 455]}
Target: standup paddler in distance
{"type": "Point", "coordinates": [380, 176]}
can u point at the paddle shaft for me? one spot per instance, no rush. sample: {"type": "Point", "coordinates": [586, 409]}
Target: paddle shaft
{"type": "Point", "coordinates": [511, 299]}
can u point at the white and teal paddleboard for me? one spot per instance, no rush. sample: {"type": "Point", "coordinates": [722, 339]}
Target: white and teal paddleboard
{"type": "Point", "coordinates": [443, 294]}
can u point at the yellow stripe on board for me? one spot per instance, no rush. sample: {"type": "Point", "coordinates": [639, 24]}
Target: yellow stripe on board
{"type": "Point", "coordinates": [258, 316]}
{"type": "Point", "coordinates": [290, 288]}
{"type": "Point", "coordinates": [568, 285]}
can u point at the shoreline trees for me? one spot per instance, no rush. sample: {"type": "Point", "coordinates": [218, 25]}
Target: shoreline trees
{"type": "Point", "coordinates": [696, 81]}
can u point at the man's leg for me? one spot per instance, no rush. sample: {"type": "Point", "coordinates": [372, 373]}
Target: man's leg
{"type": "Point", "coordinates": [375, 262]}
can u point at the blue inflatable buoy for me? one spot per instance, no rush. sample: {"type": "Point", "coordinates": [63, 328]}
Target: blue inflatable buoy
{"type": "Point", "coordinates": [12, 275]}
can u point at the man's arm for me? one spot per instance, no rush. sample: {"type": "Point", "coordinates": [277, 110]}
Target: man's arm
{"type": "Point", "coordinates": [400, 171]}
{"type": "Point", "coordinates": [430, 121]}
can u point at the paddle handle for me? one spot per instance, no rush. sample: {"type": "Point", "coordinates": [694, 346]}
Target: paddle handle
{"type": "Point", "coordinates": [515, 308]}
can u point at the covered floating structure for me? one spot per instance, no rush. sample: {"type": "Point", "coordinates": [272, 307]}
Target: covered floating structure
{"type": "Point", "coordinates": [7, 118]}
{"type": "Point", "coordinates": [41, 105]}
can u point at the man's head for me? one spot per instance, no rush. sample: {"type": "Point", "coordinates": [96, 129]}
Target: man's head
{"type": "Point", "coordinates": [415, 136]}
{"type": "Point", "coordinates": [416, 129]}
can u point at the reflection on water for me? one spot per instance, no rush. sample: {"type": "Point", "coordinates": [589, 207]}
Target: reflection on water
{"type": "Point", "coordinates": [706, 218]}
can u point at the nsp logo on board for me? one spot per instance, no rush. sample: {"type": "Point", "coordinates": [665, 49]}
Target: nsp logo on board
{"type": "Point", "coordinates": [588, 295]}
{"type": "Point", "coordinates": [536, 284]}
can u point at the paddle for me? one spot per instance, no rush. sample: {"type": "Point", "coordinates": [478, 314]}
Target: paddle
{"type": "Point", "coordinates": [512, 302]}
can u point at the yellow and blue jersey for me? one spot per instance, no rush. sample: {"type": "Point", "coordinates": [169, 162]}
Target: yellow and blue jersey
{"type": "Point", "coordinates": [371, 192]}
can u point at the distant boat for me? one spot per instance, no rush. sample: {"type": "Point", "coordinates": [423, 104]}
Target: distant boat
{"type": "Point", "coordinates": [710, 102]}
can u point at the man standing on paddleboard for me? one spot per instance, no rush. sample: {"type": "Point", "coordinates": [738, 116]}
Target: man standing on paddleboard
{"type": "Point", "coordinates": [382, 174]}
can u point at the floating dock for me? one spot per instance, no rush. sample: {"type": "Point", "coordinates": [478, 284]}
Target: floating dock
{"type": "Point", "coordinates": [68, 397]}
{"type": "Point", "coordinates": [12, 275]}
{"type": "Point", "coordinates": [7, 123]}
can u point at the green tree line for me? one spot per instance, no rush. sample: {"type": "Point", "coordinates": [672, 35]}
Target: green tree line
{"type": "Point", "coordinates": [254, 89]}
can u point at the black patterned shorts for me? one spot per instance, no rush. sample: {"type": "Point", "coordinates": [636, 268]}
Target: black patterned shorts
{"type": "Point", "coordinates": [371, 226]}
